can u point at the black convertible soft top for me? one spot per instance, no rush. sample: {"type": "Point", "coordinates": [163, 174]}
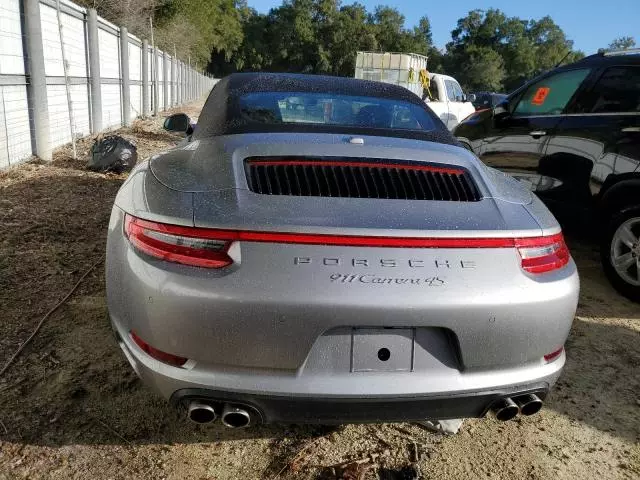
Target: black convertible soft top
{"type": "Point", "coordinates": [221, 113]}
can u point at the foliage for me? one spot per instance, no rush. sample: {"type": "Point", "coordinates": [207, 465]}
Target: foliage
{"type": "Point", "coordinates": [492, 51]}
{"type": "Point", "coordinates": [488, 49]}
{"type": "Point", "coordinates": [622, 43]}
{"type": "Point", "coordinates": [318, 36]}
{"type": "Point", "coordinates": [193, 27]}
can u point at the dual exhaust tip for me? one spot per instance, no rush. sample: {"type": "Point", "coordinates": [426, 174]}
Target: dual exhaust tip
{"type": "Point", "coordinates": [509, 408]}
{"type": "Point", "coordinates": [232, 416]}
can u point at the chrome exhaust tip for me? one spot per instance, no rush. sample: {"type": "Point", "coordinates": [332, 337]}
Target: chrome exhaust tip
{"type": "Point", "coordinates": [505, 409]}
{"type": "Point", "coordinates": [529, 404]}
{"type": "Point", "coordinates": [201, 413]}
{"type": "Point", "coordinates": [235, 417]}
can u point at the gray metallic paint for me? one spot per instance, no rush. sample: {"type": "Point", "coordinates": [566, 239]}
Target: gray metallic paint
{"type": "Point", "coordinates": [267, 325]}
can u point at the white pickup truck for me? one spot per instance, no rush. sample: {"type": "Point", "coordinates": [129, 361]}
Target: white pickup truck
{"type": "Point", "coordinates": [409, 70]}
{"type": "Point", "coordinates": [446, 98]}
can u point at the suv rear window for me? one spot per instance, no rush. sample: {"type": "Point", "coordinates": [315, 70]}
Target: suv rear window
{"type": "Point", "coordinates": [330, 109]}
{"type": "Point", "coordinates": [550, 95]}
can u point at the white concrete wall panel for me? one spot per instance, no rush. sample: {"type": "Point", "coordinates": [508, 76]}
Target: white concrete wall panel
{"type": "Point", "coordinates": [111, 116]}
{"type": "Point", "coordinates": [74, 44]}
{"type": "Point", "coordinates": [11, 53]}
{"type": "Point", "coordinates": [135, 62]}
{"type": "Point", "coordinates": [109, 55]}
{"type": "Point", "coordinates": [59, 127]}
{"type": "Point", "coordinates": [15, 133]}
{"type": "Point", "coordinates": [15, 128]}
{"type": "Point", "coordinates": [135, 97]}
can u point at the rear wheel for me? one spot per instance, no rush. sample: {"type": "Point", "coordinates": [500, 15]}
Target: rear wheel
{"type": "Point", "coordinates": [620, 252]}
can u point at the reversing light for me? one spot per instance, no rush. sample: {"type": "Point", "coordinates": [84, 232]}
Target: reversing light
{"type": "Point", "coordinates": [159, 355]}
{"type": "Point", "coordinates": [543, 254]}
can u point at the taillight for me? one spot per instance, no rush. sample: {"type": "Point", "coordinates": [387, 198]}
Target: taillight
{"type": "Point", "coordinates": [543, 254]}
{"type": "Point", "coordinates": [164, 357]}
{"type": "Point", "coordinates": [208, 247]}
{"type": "Point", "coordinates": [177, 244]}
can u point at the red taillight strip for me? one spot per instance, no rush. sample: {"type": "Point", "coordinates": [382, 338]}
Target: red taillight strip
{"type": "Point", "coordinates": [535, 258]}
{"type": "Point", "coordinates": [345, 240]}
{"type": "Point", "coordinates": [135, 230]}
{"type": "Point", "coordinates": [338, 163]}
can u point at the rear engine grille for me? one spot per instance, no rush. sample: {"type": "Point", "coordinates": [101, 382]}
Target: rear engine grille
{"type": "Point", "coordinates": [360, 179]}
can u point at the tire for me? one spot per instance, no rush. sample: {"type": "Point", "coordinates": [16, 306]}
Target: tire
{"type": "Point", "coordinates": [621, 241]}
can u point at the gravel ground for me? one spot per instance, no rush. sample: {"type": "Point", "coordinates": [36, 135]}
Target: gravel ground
{"type": "Point", "coordinates": [71, 407]}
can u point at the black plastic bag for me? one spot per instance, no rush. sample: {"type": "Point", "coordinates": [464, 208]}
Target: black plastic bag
{"type": "Point", "coordinates": [113, 154]}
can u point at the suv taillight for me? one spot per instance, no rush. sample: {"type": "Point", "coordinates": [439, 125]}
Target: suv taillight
{"type": "Point", "coordinates": [543, 254]}
{"type": "Point", "coordinates": [177, 244]}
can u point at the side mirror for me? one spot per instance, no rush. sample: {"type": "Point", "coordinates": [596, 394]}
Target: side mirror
{"type": "Point", "coordinates": [471, 97]}
{"type": "Point", "coordinates": [179, 122]}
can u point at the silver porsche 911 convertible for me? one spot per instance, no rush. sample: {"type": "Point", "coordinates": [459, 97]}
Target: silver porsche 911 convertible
{"type": "Point", "coordinates": [321, 250]}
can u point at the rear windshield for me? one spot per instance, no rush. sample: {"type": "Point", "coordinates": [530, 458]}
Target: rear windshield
{"type": "Point", "coordinates": [329, 109]}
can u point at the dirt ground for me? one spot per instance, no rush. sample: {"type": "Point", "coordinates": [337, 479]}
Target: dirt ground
{"type": "Point", "coordinates": [72, 408]}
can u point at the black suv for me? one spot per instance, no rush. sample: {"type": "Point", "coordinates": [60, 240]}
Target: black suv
{"type": "Point", "coordinates": [488, 100]}
{"type": "Point", "coordinates": [573, 136]}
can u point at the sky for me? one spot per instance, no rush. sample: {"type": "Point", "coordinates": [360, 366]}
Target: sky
{"type": "Point", "coordinates": [594, 24]}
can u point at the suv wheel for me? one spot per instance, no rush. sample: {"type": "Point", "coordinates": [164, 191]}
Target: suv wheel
{"type": "Point", "coordinates": [620, 252]}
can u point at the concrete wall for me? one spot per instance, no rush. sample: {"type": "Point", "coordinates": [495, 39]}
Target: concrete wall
{"type": "Point", "coordinates": [29, 127]}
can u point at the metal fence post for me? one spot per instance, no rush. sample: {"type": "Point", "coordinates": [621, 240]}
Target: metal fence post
{"type": "Point", "coordinates": [37, 81]}
{"type": "Point", "coordinates": [178, 98]}
{"type": "Point", "coordinates": [174, 99]}
{"type": "Point", "coordinates": [94, 70]}
{"type": "Point", "coordinates": [156, 79]}
{"type": "Point", "coordinates": [187, 82]}
{"type": "Point", "coordinates": [145, 78]}
{"type": "Point", "coordinates": [165, 81]}
{"type": "Point", "coordinates": [124, 74]}
{"type": "Point", "coordinates": [182, 82]}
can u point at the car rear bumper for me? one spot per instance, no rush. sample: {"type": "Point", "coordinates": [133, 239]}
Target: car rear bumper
{"type": "Point", "coordinates": [319, 410]}
{"type": "Point", "coordinates": [364, 397]}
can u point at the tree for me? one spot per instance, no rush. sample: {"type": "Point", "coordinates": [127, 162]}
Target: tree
{"type": "Point", "coordinates": [319, 36]}
{"type": "Point", "coordinates": [194, 27]}
{"type": "Point", "coordinates": [352, 32]}
{"type": "Point", "coordinates": [488, 49]}
{"type": "Point", "coordinates": [483, 69]}
{"type": "Point", "coordinates": [514, 49]}
{"type": "Point", "coordinates": [622, 43]}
